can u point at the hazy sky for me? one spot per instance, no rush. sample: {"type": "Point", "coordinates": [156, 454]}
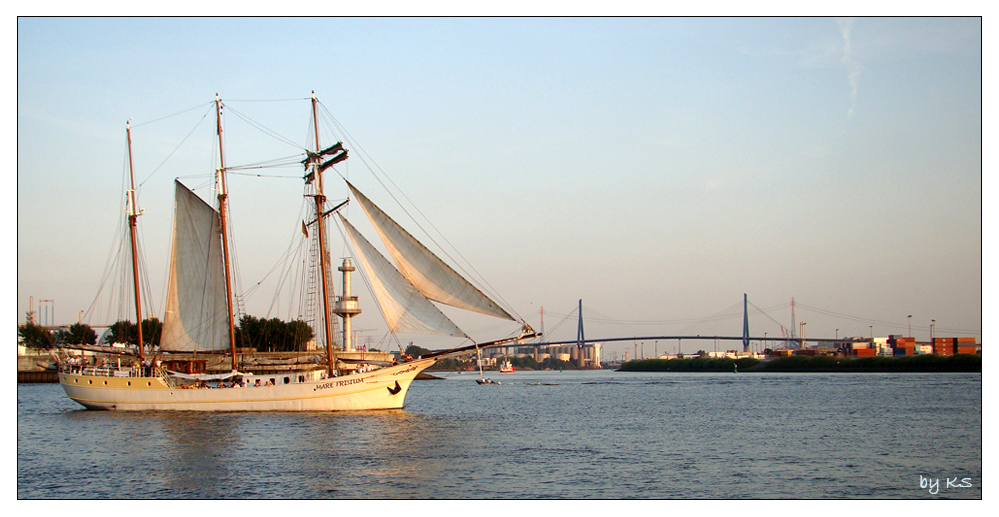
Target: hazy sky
{"type": "Point", "coordinates": [656, 168]}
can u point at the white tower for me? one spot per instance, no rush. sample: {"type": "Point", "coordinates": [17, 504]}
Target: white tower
{"type": "Point", "coordinates": [346, 307]}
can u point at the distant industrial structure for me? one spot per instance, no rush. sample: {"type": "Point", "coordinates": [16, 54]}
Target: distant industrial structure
{"type": "Point", "coordinates": [586, 353]}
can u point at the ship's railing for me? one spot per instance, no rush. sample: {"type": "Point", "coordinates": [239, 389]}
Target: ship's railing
{"type": "Point", "coordinates": [115, 371]}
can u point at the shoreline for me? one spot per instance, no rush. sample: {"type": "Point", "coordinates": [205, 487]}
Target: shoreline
{"type": "Point", "coordinates": [821, 364]}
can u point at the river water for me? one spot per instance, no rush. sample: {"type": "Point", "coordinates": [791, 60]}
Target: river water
{"type": "Point", "coordinates": [538, 435]}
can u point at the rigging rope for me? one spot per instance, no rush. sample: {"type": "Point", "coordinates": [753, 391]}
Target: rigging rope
{"type": "Point", "coordinates": [262, 128]}
{"type": "Point", "coordinates": [203, 117]}
{"type": "Point", "coordinates": [464, 263]}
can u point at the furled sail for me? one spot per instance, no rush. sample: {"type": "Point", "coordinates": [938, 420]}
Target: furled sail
{"type": "Point", "coordinates": [196, 317]}
{"type": "Point", "coordinates": [404, 308]}
{"type": "Point", "coordinates": [428, 273]}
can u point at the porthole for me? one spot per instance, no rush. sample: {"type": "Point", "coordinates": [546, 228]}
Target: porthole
{"type": "Point", "coordinates": [91, 381]}
{"type": "Point", "coordinates": [105, 383]}
{"type": "Point", "coordinates": [287, 380]}
{"type": "Point", "coordinates": [129, 383]}
{"type": "Point", "coordinates": [148, 383]}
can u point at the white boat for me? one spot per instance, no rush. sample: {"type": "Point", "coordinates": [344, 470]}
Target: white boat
{"type": "Point", "coordinates": [200, 317]}
{"type": "Point", "coordinates": [482, 378]}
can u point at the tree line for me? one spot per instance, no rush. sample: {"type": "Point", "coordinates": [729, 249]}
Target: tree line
{"type": "Point", "coordinates": [268, 335]}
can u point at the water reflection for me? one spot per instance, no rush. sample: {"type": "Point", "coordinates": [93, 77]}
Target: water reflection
{"type": "Point", "coordinates": [198, 451]}
{"type": "Point", "coordinates": [388, 454]}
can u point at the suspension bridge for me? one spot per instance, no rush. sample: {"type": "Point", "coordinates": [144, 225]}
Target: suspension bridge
{"type": "Point", "coordinates": [787, 338]}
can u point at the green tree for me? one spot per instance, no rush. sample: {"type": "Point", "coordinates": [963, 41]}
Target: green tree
{"type": "Point", "coordinates": [247, 331]}
{"type": "Point", "coordinates": [124, 331]}
{"type": "Point", "coordinates": [34, 336]}
{"type": "Point", "coordinates": [273, 335]}
{"type": "Point", "coordinates": [525, 363]}
{"type": "Point", "coordinates": [299, 333]}
{"type": "Point", "coordinates": [152, 330]}
{"type": "Point", "coordinates": [416, 351]}
{"type": "Point", "coordinates": [77, 334]}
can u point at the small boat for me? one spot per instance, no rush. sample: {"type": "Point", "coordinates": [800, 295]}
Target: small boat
{"type": "Point", "coordinates": [506, 367]}
{"type": "Point", "coordinates": [482, 378]}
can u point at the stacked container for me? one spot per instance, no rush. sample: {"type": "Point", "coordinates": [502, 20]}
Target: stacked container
{"type": "Point", "coordinates": [944, 345]}
{"type": "Point", "coordinates": [966, 345]}
{"type": "Point", "coordinates": [905, 346]}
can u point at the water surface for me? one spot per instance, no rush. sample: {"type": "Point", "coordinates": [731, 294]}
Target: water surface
{"type": "Point", "coordinates": [539, 435]}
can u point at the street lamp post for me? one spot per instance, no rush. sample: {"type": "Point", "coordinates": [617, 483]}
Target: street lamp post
{"type": "Point", "coordinates": [932, 322]}
{"type": "Point", "coordinates": [910, 325]}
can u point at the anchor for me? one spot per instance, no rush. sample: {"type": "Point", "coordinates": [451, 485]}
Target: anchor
{"type": "Point", "coordinates": [394, 390]}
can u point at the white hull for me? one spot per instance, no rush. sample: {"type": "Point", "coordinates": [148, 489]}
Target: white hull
{"type": "Point", "coordinates": [384, 388]}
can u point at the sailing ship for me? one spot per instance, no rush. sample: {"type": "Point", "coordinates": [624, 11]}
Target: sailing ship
{"type": "Point", "coordinates": [199, 313]}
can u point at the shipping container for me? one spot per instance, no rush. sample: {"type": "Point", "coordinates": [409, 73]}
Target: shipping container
{"type": "Point", "coordinates": [966, 350]}
{"type": "Point", "coordinates": [966, 340]}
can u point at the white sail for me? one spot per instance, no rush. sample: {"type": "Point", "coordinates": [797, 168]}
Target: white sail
{"type": "Point", "coordinates": [404, 308]}
{"type": "Point", "coordinates": [428, 273]}
{"type": "Point", "coordinates": [196, 317]}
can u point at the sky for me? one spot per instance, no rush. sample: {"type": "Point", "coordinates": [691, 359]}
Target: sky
{"type": "Point", "coordinates": [655, 168]}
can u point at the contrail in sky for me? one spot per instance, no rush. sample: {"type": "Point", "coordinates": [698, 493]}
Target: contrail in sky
{"type": "Point", "coordinates": [852, 65]}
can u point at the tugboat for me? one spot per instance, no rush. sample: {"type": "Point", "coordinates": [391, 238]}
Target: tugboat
{"type": "Point", "coordinates": [506, 367]}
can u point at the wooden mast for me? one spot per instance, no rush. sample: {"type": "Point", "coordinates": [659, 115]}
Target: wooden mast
{"type": "Point", "coordinates": [133, 214]}
{"type": "Point", "coordinates": [320, 198]}
{"type": "Point", "coordinates": [223, 211]}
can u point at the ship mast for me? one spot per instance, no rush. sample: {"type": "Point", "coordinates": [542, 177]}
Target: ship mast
{"type": "Point", "coordinates": [133, 214]}
{"type": "Point", "coordinates": [320, 228]}
{"type": "Point", "coordinates": [223, 215]}
{"type": "Point", "coordinates": [316, 174]}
